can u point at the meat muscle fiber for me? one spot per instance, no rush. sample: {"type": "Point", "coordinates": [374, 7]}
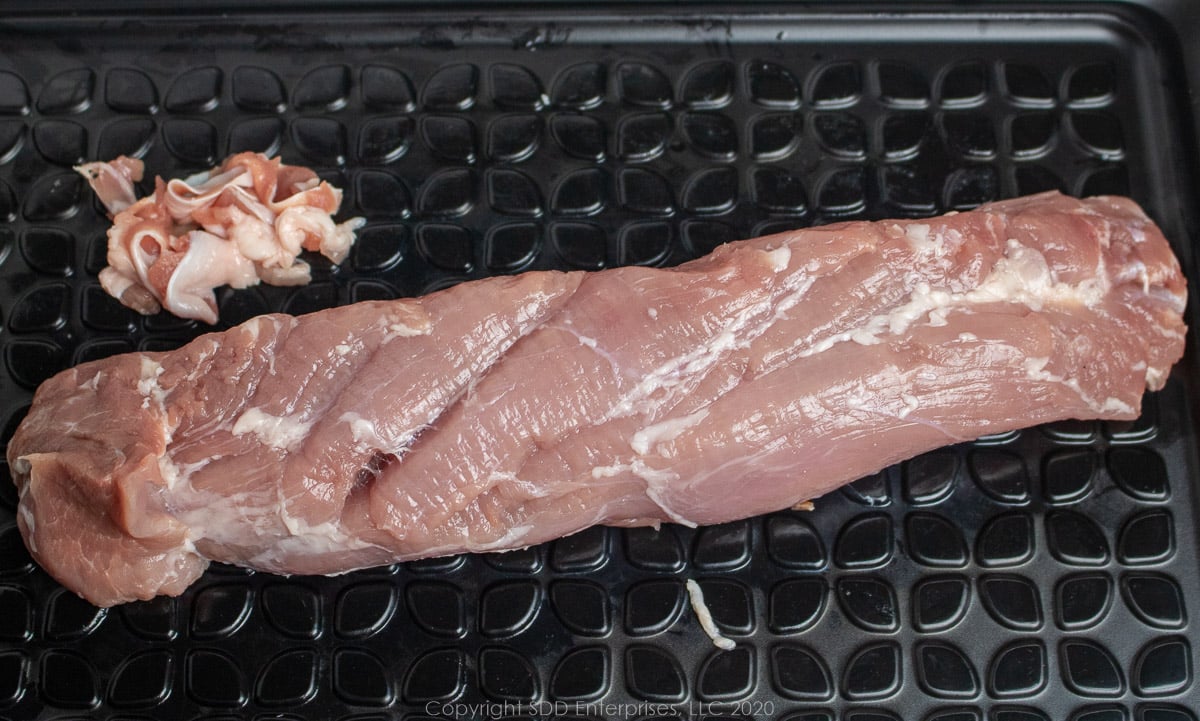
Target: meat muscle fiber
{"type": "Point", "coordinates": [509, 411]}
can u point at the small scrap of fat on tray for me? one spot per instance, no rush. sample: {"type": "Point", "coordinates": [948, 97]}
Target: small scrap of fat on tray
{"type": "Point", "coordinates": [707, 624]}
{"type": "Point", "coordinates": [700, 606]}
{"type": "Point", "coordinates": [243, 222]}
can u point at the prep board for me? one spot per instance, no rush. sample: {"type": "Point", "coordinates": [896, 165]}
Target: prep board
{"type": "Point", "coordinates": [1046, 574]}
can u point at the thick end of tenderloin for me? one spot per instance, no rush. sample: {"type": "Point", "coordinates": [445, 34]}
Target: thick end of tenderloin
{"type": "Point", "coordinates": [89, 504]}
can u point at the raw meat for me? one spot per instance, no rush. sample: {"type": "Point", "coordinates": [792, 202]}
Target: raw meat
{"type": "Point", "coordinates": [513, 410]}
{"type": "Point", "coordinates": [240, 223]}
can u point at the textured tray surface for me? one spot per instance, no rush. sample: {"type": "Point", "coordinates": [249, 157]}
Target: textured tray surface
{"type": "Point", "coordinates": [1046, 574]}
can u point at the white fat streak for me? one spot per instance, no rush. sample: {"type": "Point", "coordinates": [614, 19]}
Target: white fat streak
{"type": "Point", "coordinates": [176, 473]}
{"type": "Point", "coordinates": [169, 470]}
{"type": "Point", "coordinates": [327, 536]}
{"type": "Point", "coordinates": [362, 430]}
{"type": "Point", "coordinates": [529, 488]}
{"type": "Point", "coordinates": [395, 328]}
{"type": "Point", "coordinates": [93, 384]}
{"type": "Point", "coordinates": [510, 541]}
{"type": "Point", "coordinates": [341, 349]}
{"type": "Point", "coordinates": [1155, 377]}
{"type": "Point", "coordinates": [507, 542]}
{"type": "Point", "coordinates": [653, 313]}
{"type": "Point", "coordinates": [1022, 276]}
{"type": "Point", "coordinates": [148, 383]}
{"type": "Point", "coordinates": [656, 483]}
{"type": "Point", "coordinates": [696, 596]}
{"type": "Point", "coordinates": [253, 328]}
{"type": "Point", "coordinates": [280, 432]}
{"type": "Point", "coordinates": [811, 407]}
{"type": "Point", "coordinates": [227, 519]}
{"type": "Point", "coordinates": [615, 469]}
{"type": "Point", "coordinates": [367, 434]}
{"type": "Point", "coordinates": [665, 431]}
{"type": "Point", "coordinates": [256, 327]}
{"type": "Point", "coordinates": [672, 373]}
{"type": "Point", "coordinates": [407, 331]}
{"type": "Point", "coordinates": [1137, 232]}
{"type": "Point", "coordinates": [1035, 370]}
{"type": "Point", "coordinates": [861, 398]}
{"type": "Point", "coordinates": [779, 258]}
{"type": "Point", "coordinates": [30, 526]}
{"type": "Point", "coordinates": [181, 554]}
{"type": "Point", "coordinates": [149, 387]}
{"type": "Point", "coordinates": [308, 540]}
{"type": "Point", "coordinates": [739, 333]}
{"type": "Point", "coordinates": [1116, 405]}
{"type": "Point", "coordinates": [1137, 269]}
{"type": "Point", "coordinates": [923, 242]}
{"type": "Point", "coordinates": [589, 342]}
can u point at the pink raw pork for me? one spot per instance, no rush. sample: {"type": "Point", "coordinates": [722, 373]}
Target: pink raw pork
{"type": "Point", "coordinates": [509, 411]}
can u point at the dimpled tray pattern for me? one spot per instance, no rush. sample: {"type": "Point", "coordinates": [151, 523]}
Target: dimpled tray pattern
{"type": "Point", "coordinates": [1045, 574]}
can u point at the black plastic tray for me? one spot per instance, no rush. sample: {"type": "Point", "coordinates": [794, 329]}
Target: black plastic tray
{"type": "Point", "coordinates": [1046, 574]}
